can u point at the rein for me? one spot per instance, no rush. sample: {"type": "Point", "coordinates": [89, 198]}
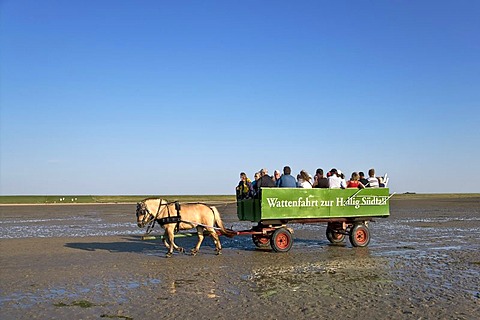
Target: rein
{"type": "Point", "coordinates": [151, 222]}
{"type": "Point", "coordinates": [146, 218]}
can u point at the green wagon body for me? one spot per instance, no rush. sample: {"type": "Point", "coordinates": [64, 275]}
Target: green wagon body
{"type": "Point", "coordinates": [287, 204]}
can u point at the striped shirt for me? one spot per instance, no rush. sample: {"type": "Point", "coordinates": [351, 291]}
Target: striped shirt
{"type": "Point", "coordinates": [372, 182]}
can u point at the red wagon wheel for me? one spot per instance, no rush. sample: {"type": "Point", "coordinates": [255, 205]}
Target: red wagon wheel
{"type": "Point", "coordinates": [334, 236]}
{"type": "Point", "coordinates": [281, 240]}
{"type": "Point", "coordinates": [260, 240]}
{"type": "Point", "coordinates": [360, 235]}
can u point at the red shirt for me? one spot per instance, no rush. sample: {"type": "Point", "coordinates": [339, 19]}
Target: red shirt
{"type": "Point", "coordinates": [353, 184]}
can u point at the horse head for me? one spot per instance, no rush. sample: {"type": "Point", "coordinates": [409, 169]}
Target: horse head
{"type": "Point", "coordinates": [147, 211]}
{"type": "Point", "coordinates": [143, 214]}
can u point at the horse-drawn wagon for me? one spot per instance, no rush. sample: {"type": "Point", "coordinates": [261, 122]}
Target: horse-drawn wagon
{"type": "Point", "coordinates": [346, 212]}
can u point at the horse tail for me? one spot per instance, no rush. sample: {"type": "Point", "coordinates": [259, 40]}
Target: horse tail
{"type": "Point", "coordinates": [219, 223]}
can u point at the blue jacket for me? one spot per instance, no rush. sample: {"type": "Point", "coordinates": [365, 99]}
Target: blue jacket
{"type": "Point", "coordinates": [287, 181]}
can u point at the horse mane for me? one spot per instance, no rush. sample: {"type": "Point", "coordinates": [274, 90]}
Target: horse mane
{"type": "Point", "coordinates": [155, 198]}
{"type": "Point", "coordinates": [170, 202]}
{"type": "Point", "coordinates": [151, 198]}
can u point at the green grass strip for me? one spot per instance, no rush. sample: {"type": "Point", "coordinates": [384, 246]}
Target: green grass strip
{"type": "Point", "coordinates": [73, 199]}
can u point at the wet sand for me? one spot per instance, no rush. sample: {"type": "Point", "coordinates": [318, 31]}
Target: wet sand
{"type": "Point", "coordinates": [422, 263]}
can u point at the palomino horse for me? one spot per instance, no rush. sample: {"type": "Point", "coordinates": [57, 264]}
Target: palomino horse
{"type": "Point", "coordinates": [190, 215]}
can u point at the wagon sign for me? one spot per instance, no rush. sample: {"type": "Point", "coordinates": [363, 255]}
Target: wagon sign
{"type": "Point", "coordinates": [298, 203]}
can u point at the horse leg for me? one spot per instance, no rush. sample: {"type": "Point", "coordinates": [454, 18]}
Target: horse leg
{"type": "Point", "coordinates": [165, 240]}
{"type": "Point", "coordinates": [168, 243]}
{"type": "Point", "coordinates": [177, 248]}
{"type": "Point", "coordinates": [216, 241]}
{"type": "Point", "coordinates": [171, 237]}
{"type": "Point", "coordinates": [200, 240]}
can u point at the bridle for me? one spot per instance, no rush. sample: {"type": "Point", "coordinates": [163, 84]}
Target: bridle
{"type": "Point", "coordinates": [148, 217]}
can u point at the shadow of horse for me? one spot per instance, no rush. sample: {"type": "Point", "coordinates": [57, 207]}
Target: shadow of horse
{"type": "Point", "coordinates": [131, 244]}
{"type": "Point", "coordinates": [135, 244]}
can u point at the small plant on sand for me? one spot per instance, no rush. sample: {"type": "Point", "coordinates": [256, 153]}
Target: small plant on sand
{"type": "Point", "coordinates": [80, 303]}
{"type": "Point", "coordinates": [61, 304]}
{"type": "Point", "coordinates": [114, 317]}
{"type": "Point", "coordinates": [83, 304]}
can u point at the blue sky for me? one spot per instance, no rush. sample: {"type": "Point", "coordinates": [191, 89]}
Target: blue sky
{"type": "Point", "coordinates": [178, 97]}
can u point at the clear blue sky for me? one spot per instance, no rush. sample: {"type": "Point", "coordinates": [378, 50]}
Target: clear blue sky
{"type": "Point", "coordinates": [178, 97]}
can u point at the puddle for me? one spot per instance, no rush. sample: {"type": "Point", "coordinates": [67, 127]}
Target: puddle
{"type": "Point", "coordinates": [116, 288]}
{"type": "Point", "coordinates": [301, 278]}
{"type": "Point", "coordinates": [64, 227]}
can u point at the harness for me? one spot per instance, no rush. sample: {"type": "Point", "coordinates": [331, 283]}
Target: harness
{"type": "Point", "coordinates": [150, 219]}
{"type": "Point", "coordinates": [170, 219]}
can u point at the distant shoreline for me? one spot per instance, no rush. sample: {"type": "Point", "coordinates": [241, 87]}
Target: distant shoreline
{"type": "Point", "coordinates": [109, 200]}
{"type": "Point", "coordinates": [63, 204]}
{"type": "Point", "coordinates": [79, 200]}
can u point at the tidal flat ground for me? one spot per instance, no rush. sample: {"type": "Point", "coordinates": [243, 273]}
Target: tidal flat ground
{"type": "Point", "coordinates": [89, 262]}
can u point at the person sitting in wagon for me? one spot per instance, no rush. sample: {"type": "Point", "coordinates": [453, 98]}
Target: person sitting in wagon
{"type": "Point", "coordinates": [381, 183]}
{"type": "Point", "coordinates": [276, 177]}
{"type": "Point", "coordinates": [354, 181]}
{"type": "Point", "coordinates": [304, 180]}
{"type": "Point", "coordinates": [287, 180]}
{"type": "Point", "coordinates": [320, 181]}
{"type": "Point", "coordinates": [265, 180]}
{"type": "Point", "coordinates": [334, 181]}
{"type": "Point", "coordinates": [244, 188]}
{"type": "Point", "coordinates": [362, 178]}
{"type": "Point", "coordinates": [372, 180]}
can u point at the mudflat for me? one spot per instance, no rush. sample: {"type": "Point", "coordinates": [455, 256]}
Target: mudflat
{"type": "Point", "coordinates": [89, 262]}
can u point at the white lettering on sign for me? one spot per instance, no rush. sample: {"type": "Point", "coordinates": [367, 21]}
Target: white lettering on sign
{"type": "Point", "coordinates": [300, 202]}
{"type": "Point", "coordinates": [359, 201]}
{"type": "Point", "coordinates": [356, 202]}
{"type": "Point", "coordinates": [352, 202]}
{"type": "Point", "coordinates": [374, 200]}
{"type": "Point", "coordinates": [326, 203]}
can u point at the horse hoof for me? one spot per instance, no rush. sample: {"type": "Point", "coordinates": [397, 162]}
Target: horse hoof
{"type": "Point", "coordinates": [194, 252]}
{"type": "Point", "coordinates": [219, 252]}
{"type": "Point", "coordinates": [180, 249]}
{"type": "Point", "coordinates": [169, 255]}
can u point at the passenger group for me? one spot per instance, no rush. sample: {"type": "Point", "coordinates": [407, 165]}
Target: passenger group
{"type": "Point", "coordinates": [335, 179]}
